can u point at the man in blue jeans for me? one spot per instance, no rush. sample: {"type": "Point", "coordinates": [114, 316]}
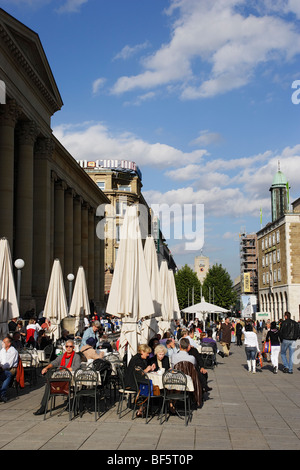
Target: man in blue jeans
{"type": "Point", "coordinates": [9, 358]}
{"type": "Point", "coordinates": [288, 334]}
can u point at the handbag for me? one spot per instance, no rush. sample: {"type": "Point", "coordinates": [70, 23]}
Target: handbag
{"type": "Point", "coordinates": [259, 359]}
{"type": "Point", "coordinates": [267, 347]}
{"type": "Point", "coordinates": [59, 387]}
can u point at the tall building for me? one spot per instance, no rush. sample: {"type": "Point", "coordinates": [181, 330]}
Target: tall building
{"type": "Point", "coordinates": [121, 182]}
{"type": "Point", "coordinates": [47, 202]}
{"type": "Point", "coordinates": [279, 255]}
{"type": "Point", "coordinates": [248, 263]}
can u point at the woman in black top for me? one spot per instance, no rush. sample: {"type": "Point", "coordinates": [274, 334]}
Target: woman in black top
{"type": "Point", "coordinates": [139, 360]}
{"type": "Point", "coordinates": [273, 336]}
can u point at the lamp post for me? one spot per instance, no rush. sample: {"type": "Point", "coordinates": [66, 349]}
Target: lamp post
{"type": "Point", "coordinates": [19, 264]}
{"type": "Point", "coordinates": [70, 278]}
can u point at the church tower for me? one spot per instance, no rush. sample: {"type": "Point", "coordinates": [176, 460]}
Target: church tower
{"type": "Point", "coordinates": [279, 195]}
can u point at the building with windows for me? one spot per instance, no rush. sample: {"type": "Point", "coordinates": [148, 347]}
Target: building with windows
{"type": "Point", "coordinates": [47, 202]}
{"type": "Point", "coordinates": [201, 267]}
{"type": "Point", "coordinates": [279, 254]}
{"type": "Point", "coordinates": [248, 263]}
{"type": "Point", "coordinates": [121, 182]}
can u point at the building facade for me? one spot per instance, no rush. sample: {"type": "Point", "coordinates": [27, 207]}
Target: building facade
{"type": "Point", "coordinates": [201, 267]}
{"type": "Point", "coordinates": [48, 203]}
{"type": "Point", "coordinates": [248, 263]}
{"type": "Point", "coordinates": [279, 259]}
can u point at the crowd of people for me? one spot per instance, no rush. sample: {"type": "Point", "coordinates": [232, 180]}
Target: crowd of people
{"type": "Point", "coordinates": [177, 346]}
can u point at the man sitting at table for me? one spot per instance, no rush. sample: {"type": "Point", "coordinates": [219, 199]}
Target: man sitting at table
{"type": "Point", "coordinates": [9, 358]}
{"type": "Point", "coordinates": [92, 332]}
{"type": "Point", "coordinates": [70, 360]}
{"type": "Point", "coordinates": [183, 354]}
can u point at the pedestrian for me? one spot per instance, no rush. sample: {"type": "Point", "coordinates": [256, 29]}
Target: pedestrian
{"type": "Point", "coordinates": [273, 337]}
{"type": "Point", "coordinates": [225, 331]}
{"type": "Point", "coordinates": [265, 330]}
{"type": "Point", "coordinates": [288, 334]}
{"type": "Point", "coordinates": [238, 333]}
{"type": "Point", "coordinates": [251, 347]}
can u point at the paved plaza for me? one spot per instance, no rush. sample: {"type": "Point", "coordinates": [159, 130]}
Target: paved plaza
{"type": "Point", "coordinates": [245, 411]}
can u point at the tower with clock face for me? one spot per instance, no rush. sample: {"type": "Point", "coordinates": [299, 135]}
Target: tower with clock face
{"type": "Point", "coordinates": [201, 266]}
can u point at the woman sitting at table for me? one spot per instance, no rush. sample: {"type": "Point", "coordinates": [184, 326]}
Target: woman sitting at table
{"type": "Point", "coordinates": [160, 359]}
{"type": "Point", "coordinates": [139, 360]}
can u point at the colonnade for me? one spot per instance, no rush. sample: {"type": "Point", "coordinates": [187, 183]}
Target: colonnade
{"type": "Point", "coordinates": [43, 212]}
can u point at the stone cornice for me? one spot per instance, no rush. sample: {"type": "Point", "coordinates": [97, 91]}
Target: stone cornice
{"type": "Point", "coordinates": [24, 63]}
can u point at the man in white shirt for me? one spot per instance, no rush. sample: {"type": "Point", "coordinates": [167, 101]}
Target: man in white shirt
{"type": "Point", "coordinates": [183, 354]}
{"type": "Point", "coordinates": [9, 358]}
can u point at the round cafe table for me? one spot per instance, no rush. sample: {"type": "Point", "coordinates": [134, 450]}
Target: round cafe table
{"type": "Point", "coordinates": [156, 378]}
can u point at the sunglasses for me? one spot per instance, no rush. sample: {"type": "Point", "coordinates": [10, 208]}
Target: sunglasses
{"type": "Point", "coordinates": [69, 346]}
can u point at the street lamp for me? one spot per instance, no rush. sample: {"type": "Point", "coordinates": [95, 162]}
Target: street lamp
{"type": "Point", "coordinates": [70, 278]}
{"type": "Point", "coordinates": [19, 264]}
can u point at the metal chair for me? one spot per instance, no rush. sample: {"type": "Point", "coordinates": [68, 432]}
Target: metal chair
{"type": "Point", "coordinates": [113, 380]}
{"type": "Point", "coordinates": [123, 392]}
{"type": "Point", "coordinates": [48, 350]}
{"type": "Point", "coordinates": [30, 368]}
{"type": "Point", "coordinates": [59, 383]}
{"type": "Point", "coordinates": [175, 390]}
{"type": "Point", "coordinates": [143, 391]}
{"type": "Point", "coordinates": [87, 384]}
{"type": "Point", "coordinates": [209, 356]}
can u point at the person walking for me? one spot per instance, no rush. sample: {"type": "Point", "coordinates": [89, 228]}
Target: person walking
{"type": "Point", "coordinates": [225, 333]}
{"type": "Point", "coordinates": [273, 337]}
{"type": "Point", "coordinates": [288, 334]}
{"type": "Point", "coordinates": [251, 347]}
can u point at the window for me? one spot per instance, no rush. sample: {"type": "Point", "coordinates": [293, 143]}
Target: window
{"type": "Point", "coordinates": [270, 259]}
{"type": "Point", "coordinates": [263, 261]}
{"type": "Point", "coordinates": [279, 274]}
{"type": "Point", "coordinates": [121, 207]}
{"type": "Point", "coordinates": [270, 240]}
{"type": "Point", "coordinates": [101, 185]}
{"type": "Point", "coordinates": [266, 242]}
{"type": "Point", "coordinates": [277, 236]}
{"type": "Point", "coordinates": [273, 238]}
{"type": "Point", "coordinates": [264, 278]}
{"type": "Point", "coordinates": [278, 256]}
{"type": "Point", "coordinates": [118, 229]}
{"type": "Point", "coordinates": [263, 244]}
{"type": "Point", "coordinates": [274, 256]}
{"type": "Point", "coordinates": [275, 276]}
{"type": "Point", "coordinates": [124, 187]}
{"type": "Point", "coordinates": [267, 278]}
{"type": "Point", "coordinates": [267, 260]}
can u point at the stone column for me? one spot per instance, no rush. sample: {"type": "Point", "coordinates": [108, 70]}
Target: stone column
{"type": "Point", "coordinates": [26, 133]}
{"type": "Point", "coordinates": [59, 221]}
{"type": "Point", "coordinates": [91, 253]}
{"type": "Point", "coordinates": [85, 240]}
{"type": "Point", "coordinates": [69, 242]}
{"type": "Point", "coordinates": [8, 118]}
{"type": "Point", "coordinates": [42, 220]}
{"type": "Point", "coordinates": [76, 233]}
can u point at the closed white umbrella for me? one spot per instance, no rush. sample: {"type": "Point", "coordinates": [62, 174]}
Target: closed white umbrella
{"type": "Point", "coordinates": [164, 322]}
{"type": "Point", "coordinates": [130, 295]}
{"type": "Point", "coordinates": [153, 273]}
{"type": "Point", "coordinates": [80, 305]}
{"type": "Point", "coordinates": [8, 299]}
{"type": "Point", "coordinates": [56, 308]}
{"type": "Point", "coordinates": [175, 310]}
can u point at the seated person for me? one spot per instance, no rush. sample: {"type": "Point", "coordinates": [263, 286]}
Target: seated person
{"type": "Point", "coordinates": [32, 330]}
{"type": "Point", "coordinates": [65, 335]}
{"type": "Point", "coordinates": [171, 347]}
{"type": "Point", "coordinates": [43, 340]}
{"type": "Point", "coordinates": [203, 374]}
{"type": "Point", "coordinates": [9, 358]}
{"type": "Point", "coordinates": [183, 354]}
{"type": "Point", "coordinates": [92, 331]}
{"type": "Point", "coordinates": [152, 344]}
{"type": "Point", "coordinates": [16, 341]}
{"type": "Point", "coordinates": [139, 360]}
{"type": "Point", "coordinates": [89, 351]}
{"type": "Point", "coordinates": [210, 341]}
{"type": "Point", "coordinates": [105, 343]}
{"type": "Point", "coordinates": [160, 358]}
{"type": "Point", "coordinates": [69, 359]}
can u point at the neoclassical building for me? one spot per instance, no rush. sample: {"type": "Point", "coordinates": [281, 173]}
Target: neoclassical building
{"type": "Point", "coordinates": [279, 255]}
{"type": "Point", "coordinates": [48, 203]}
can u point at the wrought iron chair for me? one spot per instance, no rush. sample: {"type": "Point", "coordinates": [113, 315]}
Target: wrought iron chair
{"type": "Point", "coordinates": [123, 392]}
{"type": "Point", "coordinates": [209, 356]}
{"type": "Point", "coordinates": [59, 383]}
{"type": "Point", "coordinates": [48, 350]}
{"type": "Point", "coordinates": [174, 390]}
{"type": "Point", "coordinates": [87, 385]}
{"type": "Point", "coordinates": [144, 391]}
{"type": "Point", "coordinates": [113, 380]}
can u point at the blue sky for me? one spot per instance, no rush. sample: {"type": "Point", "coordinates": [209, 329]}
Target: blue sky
{"type": "Point", "coordinates": [197, 92]}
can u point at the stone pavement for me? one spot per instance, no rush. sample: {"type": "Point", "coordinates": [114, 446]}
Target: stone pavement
{"type": "Point", "coordinates": [245, 411]}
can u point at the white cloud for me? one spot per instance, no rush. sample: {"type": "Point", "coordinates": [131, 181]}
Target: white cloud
{"type": "Point", "coordinates": [71, 6]}
{"type": "Point", "coordinates": [223, 36]}
{"type": "Point", "coordinates": [129, 51]}
{"type": "Point", "coordinates": [97, 84]}
{"type": "Point", "coordinates": [207, 138]}
{"type": "Point", "coordinates": [92, 141]}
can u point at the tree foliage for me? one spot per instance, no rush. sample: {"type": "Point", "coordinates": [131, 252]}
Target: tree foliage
{"type": "Point", "coordinates": [185, 280]}
{"type": "Point", "coordinates": [218, 287]}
